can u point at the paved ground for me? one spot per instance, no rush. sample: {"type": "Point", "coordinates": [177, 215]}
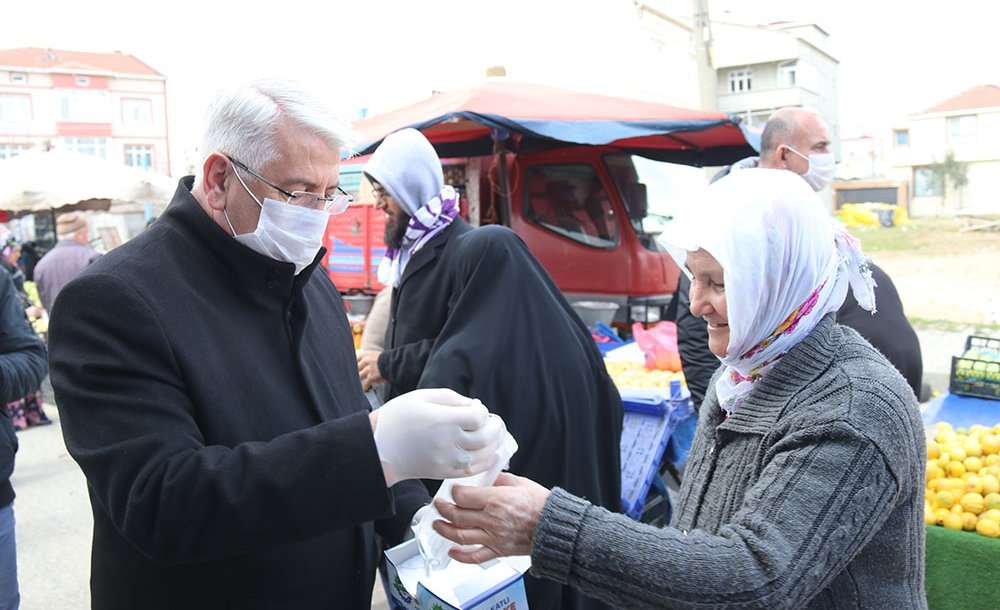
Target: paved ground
{"type": "Point", "coordinates": [53, 523]}
{"type": "Point", "coordinates": [937, 348]}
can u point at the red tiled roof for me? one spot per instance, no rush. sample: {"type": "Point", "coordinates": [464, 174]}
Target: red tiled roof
{"type": "Point", "coordinates": [71, 61]}
{"type": "Point", "coordinates": [983, 96]}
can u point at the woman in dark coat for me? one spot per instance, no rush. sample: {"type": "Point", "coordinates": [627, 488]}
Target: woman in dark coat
{"type": "Point", "coordinates": [27, 411]}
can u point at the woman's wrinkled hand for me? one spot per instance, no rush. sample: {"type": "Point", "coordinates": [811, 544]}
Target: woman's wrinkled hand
{"type": "Point", "coordinates": [500, 519]}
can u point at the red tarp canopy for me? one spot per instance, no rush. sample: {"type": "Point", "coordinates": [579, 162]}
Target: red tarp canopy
{"type": "Point", "coordinates": [531, 117]}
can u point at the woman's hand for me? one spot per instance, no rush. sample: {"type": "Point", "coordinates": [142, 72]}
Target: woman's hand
{"type": "Point", "coordinates": [501, 518]}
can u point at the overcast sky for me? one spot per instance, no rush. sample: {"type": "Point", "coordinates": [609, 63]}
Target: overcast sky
{"type": "Point", "coordinates": [896, 57]}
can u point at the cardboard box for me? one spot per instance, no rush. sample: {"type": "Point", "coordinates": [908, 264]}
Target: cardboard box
{"type": "Point", "coordinates": [495, 585]}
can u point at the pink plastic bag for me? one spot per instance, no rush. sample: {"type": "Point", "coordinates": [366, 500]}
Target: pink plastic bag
{"type": "Point", "coordinates": [659, 344]}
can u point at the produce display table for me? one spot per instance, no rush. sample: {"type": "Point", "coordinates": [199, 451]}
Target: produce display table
{"type": "Point", "coordinates": [657, 429]}
{"type": "Point", "coordinates": [963, 570]}
{"type": "Point", "coordinates": [962, 412]}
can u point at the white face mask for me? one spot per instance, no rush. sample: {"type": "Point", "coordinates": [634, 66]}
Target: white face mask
{"type": "Point", "coordinates": [821, 169]}
{"type": "Point", "coordinates": [285, 232]}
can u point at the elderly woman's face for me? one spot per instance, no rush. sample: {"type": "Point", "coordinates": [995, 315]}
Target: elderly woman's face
{"type": "Point", "coordinates": [708, 299]}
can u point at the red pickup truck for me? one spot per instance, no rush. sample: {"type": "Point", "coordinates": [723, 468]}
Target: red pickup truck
{"type": "Point", "coordinates": [567, 185]}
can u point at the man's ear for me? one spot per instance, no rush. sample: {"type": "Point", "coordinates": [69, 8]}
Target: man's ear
{"type": "Point", "coordinates": [779, 157]}
{"type": "Point", "coordinates": [215, 172]}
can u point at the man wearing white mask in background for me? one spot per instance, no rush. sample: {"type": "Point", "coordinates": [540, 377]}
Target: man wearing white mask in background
{"type": "Point", "coordinates": [798, 140]}
{"type": "Point", "coordinates": [207, 384]}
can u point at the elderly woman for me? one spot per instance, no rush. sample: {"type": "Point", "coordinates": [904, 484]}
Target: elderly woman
{"type": "Point", "coordinates": [804, 487]}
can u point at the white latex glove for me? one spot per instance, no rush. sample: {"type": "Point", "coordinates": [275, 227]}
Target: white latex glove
{"type": "Point", "coordinates": [433, 546]}
{"type": "Point", "coordinates": [435, 434]}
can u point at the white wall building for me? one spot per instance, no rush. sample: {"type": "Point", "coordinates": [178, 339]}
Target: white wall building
{"type": "Point", "coordinates": [759, 68]}
{"type": "Point", "coordinates": [109, 105]}
{"type": "Point", "coordinates": [862, 157]}
{"type": "Point", "coordinates": [967, 125]}
{"type": "Point", "coordinates": [763, 68]}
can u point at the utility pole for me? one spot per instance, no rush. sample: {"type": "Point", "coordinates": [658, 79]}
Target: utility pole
{"type": "Point", "coordinates": [702, 34]}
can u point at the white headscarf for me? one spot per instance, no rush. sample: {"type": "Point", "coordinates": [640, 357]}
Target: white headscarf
{"type": "Point", "coordinates": [786, 264]}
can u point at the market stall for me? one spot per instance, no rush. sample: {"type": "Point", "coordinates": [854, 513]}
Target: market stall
{"type": "Point", "coordinates": [46, 183]}
{"type": "Point", "coordinates": [659, 419]}
{"type": "Point", "coordinates": [962, 508]}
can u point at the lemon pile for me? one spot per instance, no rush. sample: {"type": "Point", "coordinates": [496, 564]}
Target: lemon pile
{"type": "Point", "coordinates": [636, 376]}
{"type": "Point", "coordinates": [963, 479]}
{"type": "Point", "coordinates": [867, 214]}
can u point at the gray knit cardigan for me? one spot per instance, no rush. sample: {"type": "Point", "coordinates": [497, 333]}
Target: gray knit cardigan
{"type": "Point", "coordinates": [810, 495]}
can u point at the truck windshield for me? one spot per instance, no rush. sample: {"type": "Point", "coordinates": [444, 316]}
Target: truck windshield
{"type": "Point", "coordinates": [653, 191]}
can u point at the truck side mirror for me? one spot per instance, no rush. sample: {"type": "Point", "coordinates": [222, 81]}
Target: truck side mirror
{"type": "Point", "coordinates": [635, 197]}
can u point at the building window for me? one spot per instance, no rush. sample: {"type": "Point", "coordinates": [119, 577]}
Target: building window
{"type": "Point", "coordinates": [137, 111]}
{"type": "Point", "coordinates": [139, 155]}
{"type": "Point", "coordinates": [739, 80]}
{"type": "Point", "coordinates": [94, 147]}
{"type": "Point", "coordinates": [85, 106]}
{"type": "Point", "coordinates": [82, 81]}
{"type": "Point", "coordinates": [901, 138]}
{"type": "Point", "coordinates": [786, 75]}
{"type": "Point", "coordinates": [12, 150]}
{"type": "Point", "coordinates": [758, 118]}
{"type": "Point", "coordinates": [961, 127]}
{"type": "Point", "coordinates": [18, 78]}
{"type": "Point", "coordinates": [927, 183]}
{"type": "Point", "coordinates": [15, 108]}
{"type": "Point", "coordinates": [570, 200]}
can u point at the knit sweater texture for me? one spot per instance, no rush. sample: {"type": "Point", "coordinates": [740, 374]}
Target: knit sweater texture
{"type": "Point", "coordinates": [809, 496]}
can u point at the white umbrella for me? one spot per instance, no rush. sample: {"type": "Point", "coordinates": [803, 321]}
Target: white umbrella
{"type": "Point", "coordinates": [48, 180]}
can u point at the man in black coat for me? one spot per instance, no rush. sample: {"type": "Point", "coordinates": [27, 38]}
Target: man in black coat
{"type": "Point", "coordinates": [474, 311]}
{"type": "Point", "coordinates": [22, 367]}
{"type": "Point", "coordinates": [206, 380]}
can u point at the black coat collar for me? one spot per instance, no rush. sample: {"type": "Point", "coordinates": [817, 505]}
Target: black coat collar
{"type": "Point", "coordinates": [246, 270]}
{"type": "Point", "coordinates": [433, 249]}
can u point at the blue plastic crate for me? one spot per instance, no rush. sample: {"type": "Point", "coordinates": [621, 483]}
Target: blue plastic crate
{"type": "Point", "coordinates": [652, 404]}
{"type": "Point", "coordinates": [644, 439]}
{"type": "Point", "coordinates": [646, 430]}
{"type": "Point", "coordinates": [681, 438]}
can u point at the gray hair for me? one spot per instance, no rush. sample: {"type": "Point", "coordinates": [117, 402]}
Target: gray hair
{"type": "Point", "coordinates": [777, 131]}
{"type": "Point", "coordinates": [243, 122]}
{"type": "Point", "coordinates": [784, 125]}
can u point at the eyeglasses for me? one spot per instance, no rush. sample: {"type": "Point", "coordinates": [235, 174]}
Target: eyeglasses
{"type": "Point", "coordinates": [334, 204]}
